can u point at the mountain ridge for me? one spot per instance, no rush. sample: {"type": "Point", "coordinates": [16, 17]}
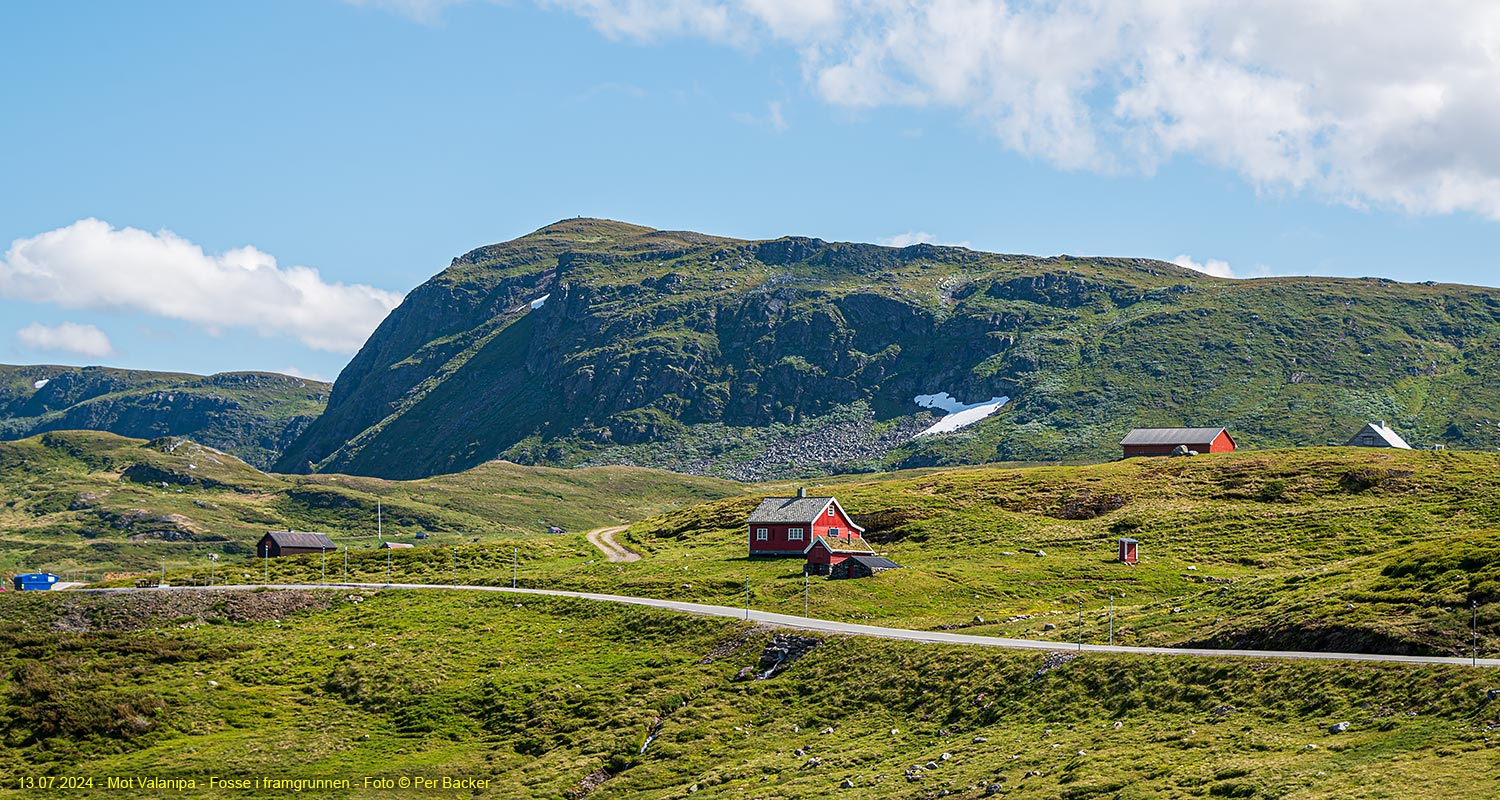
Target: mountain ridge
{"type": "Point", "coordinates": [252, 415]}
{"type": "Point", "coordinates": [700, 353]}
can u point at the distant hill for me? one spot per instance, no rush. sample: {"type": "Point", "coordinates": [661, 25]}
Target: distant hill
{"type": "Point", "coordinates": [253, 415]}
{"type": "Point", "coordinates": [89, 503]}
{"type": "Point", "coordinates": [597, 342]}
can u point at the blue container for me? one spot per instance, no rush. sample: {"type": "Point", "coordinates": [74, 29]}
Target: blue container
{"type": "Point", "coordinates": [32, 581]}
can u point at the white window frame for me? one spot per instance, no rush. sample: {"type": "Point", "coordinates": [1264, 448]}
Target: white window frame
{"type": "Point", "coordinates": [794, 534]}
{"type": "Point", "coordinates": [762, 534]}
{"type": "Point", "coordinates": [830, 511]}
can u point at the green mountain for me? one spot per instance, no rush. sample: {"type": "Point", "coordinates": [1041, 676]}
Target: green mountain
{"type": "Point", "coordinates": [253, 415]}
{"type": "Point", "coordinates": [596, 342]}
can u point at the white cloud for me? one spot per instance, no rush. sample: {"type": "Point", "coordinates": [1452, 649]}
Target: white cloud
{"type": "Point", "coordinates": [90, 264]}
{"type": "Point", "coordinates": [1383, 102]}
{"type": "Point", "coordinates": [777, 119]}
{"type": "Point", "coordinates": [913, 237]}
{"type": "Point", "coordinates": [426, 11]}
{"type": "Point", "coordinates": [774, 118]}
{"type": "Point", "coordinates": [1214, 267]}
{"type": "Point", "coordinates": [297, 373]}
{"type": "Point", "coordinates": [69, 337]}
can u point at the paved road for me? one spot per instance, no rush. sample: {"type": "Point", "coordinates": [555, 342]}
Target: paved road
{"type": "Point", "coordinates": [604, 539]}
{"type": "Point", "coordinates": [831, 626]}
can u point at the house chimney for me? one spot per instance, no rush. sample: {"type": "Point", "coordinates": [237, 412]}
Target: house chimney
{"type": "Point", "coordinates": [801, 491]}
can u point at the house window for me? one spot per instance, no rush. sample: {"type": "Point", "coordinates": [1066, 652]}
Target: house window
{"type": "Point", "coordinates": [830, 511]}
{"type": "Point", "coordinates": [794, 534]}
{"type": "Point", "coordinates": [833, 532]}
{"type": "Point", "coordinates": [761, 534]}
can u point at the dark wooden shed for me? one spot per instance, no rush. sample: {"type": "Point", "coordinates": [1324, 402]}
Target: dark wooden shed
{"type": "Point", "coordinates": [1130, 551]}
{"type": "Point", "coordinates": [860, 567]}
{"type": "Point", "coordinates": [277, 544]}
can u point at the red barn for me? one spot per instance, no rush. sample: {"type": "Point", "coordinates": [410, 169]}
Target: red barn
{"type": "Point", "coordinates": [787, 526]}
{"type": "Point", "coordinates": [1162, 441]}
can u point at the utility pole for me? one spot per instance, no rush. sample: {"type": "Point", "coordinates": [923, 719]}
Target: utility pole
{"type": "Point", "coordinates": [267, 581]}
{"type": "Point", "coordinates": [1080, 624]}
{"type": "Point", "coordinates": [747, 598]}
{"type": "Point", "coordinates": [323, 551]}
{"type": "Point", "coordinates": [346, 563]}
{"type": "Point", "coordinates": [455, 566]}
{"type": "Point", "coordinates": [388, 566]}
{"type": "Point", "coordinates": [806, 602]}
{"type": "Point", "coordinates": [1111, 620]}
{"type": "Point", "coordinates": [213, 559]}
{"type": "Point", "coordinates": [1474, 626]}
{"type": "Point", "coordinates": [515, 560]}
{"type": "Point", "coordinates": [379, 525]}
{"type": "Point", "coordinates": [163, 570]}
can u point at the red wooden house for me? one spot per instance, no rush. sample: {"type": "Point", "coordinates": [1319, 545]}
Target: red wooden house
{"type": "Point", "coordinates": [1162, 441]}
{"type": "Point", "coordinates": [787, 526]}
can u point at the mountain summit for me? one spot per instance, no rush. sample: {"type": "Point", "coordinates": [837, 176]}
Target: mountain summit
{"type": "Point", "coordinates": [592, 341]}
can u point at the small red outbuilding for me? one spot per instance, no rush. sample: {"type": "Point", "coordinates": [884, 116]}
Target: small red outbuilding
{"type": "Point", "coordinates": [1162, 441]}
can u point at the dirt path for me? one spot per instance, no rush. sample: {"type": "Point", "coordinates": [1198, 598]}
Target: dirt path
{"type": "Point", "coordinates": [604, 539]}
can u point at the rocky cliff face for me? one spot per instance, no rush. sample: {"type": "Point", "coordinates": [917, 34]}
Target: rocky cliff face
{"type": "Point", "coordinates": [733, 357]}
{"type": "Point", "coordinates": [253, 415]}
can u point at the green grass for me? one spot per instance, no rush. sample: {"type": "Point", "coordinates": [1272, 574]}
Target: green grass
{"type": "Point", "coordinates": [534, 694]}
{"type": "Point", "coordinates": [1306, 549]}
{"type": "Point", "coordinates": [1329, 549]}
{"type": "Point", "coordinates": [1321, 549]}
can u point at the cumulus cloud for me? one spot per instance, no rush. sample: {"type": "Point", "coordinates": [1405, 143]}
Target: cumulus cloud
{"type": "Point", "coordinates": [298, 373]}
{"type": "Point", "coordinates": [69, 337]}
{"type": "Point", "coordinates": [914, 237]}
{"type": "Point", "coordinates": [90, 264]}
{"type": "Point", "coordinates": [1214, 267]}
{"type": "Point", "coordinates": [1380, 102]}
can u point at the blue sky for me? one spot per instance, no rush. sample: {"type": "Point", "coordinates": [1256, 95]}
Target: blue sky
{"type": "Point", "coordinates": [372, 142]}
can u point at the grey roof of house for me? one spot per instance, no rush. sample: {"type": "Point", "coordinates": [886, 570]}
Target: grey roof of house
{"type": "Point", "coordinates": [778, 510]}
{"type": "Point", "coordinates": [1173, 436]}
{"type": "Point", "coordinates": [876, 562]}
{"type": "Point", "coordinates": [314, 541]}
{"type": "Point", "coordinates": [1390, 437]}
{"type": "Point", "coordinates": [840, 544]}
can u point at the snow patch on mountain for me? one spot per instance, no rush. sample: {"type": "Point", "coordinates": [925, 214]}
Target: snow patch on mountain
{"type": "Point", "coordinates": [39, 384]}
{"type": "Point", "coordinates": [959, 414]}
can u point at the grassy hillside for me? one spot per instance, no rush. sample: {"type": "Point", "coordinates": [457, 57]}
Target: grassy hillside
{"type": "Point", "coordinates": [253, 415]}
{"type": "Point", "coordinates": [91, 504]}
{"type": "Point", "coordinates": [1321, 548]}
{"type": "Point", "coordinates": [797, 357]}
{"type": "Point", "coordinates": [545, 699]}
